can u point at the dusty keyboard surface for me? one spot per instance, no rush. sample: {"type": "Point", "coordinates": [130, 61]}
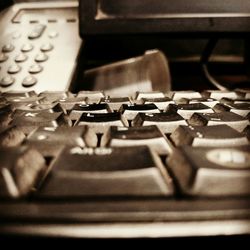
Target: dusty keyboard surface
{"type": "Point", "coordinates": [150, 165]}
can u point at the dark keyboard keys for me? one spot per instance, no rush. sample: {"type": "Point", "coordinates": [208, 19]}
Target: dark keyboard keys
{"type": "Point", "coordinates": [208, 136]}
{"type": "Point", "coordinates": [130, 111]}
{"type": "Point", "coordinates": [235, 101]}
{"type": "Point", "coordinates": [210, 102]}
{"type": "Point", "coordinates": [101, 122]}
{"type": "Point", "coordinates": [219, 94]}
{"type": "Point", "coordinates": [218, 172]}
{"type": "Point", "coordinates": [167, 122]}
{"type": "Point", "coordinates": [240, 108]}
{"type": "Point", "coordinates": [130, 171]}
{"type": "Point", "coordinates": [233, 120]}
{"type": "Point", "coordinates": [187, 110]}
{"type": "Point", "coordinates": [115, 102]}
{"type": "Point", "coordinates": [161, 103]}
{"type": "Point", "coordinates": [79, 109]}
{"type": "Point", "coordinates": [134, 136]}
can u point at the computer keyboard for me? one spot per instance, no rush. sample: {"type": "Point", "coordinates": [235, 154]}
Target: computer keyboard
{"type": "Point", "coordinates": [149, 165]}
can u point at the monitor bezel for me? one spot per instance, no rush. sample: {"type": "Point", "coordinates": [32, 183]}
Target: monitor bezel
{"type": "Point", "coordinates": [94, 21]}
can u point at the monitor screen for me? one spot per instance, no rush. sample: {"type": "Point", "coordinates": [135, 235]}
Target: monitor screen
{"type": "Point", "coordinates": [164, 16]}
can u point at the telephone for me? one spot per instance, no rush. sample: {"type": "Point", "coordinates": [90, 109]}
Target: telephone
{"type": "Point", "coordinates": [39, 46]}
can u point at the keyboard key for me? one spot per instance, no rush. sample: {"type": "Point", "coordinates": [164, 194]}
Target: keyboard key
{"type": "Point", "coordinates": [244, 93]}
{"type": "Point", "coordinates": [50, 108]}
{"type": "Point", "coordinates": [241, 108]}
{"type": "Point", "coordinates": [100, 123]}
{"type": "Point", "coordinates": [235, 101]}
{"type": "Point", "coordinates": [5, 114]}
{"type": "Point", "coordinates": [202, 171]}
{"type": "Point", "coordinates": [115, 102]}
{"type": "Point", "coordinates": [92, 96]}
{"type": "Point", "coordinates": [167, 122]}
{"type": "Point", "coordinates": [208, 136]}
{"type": "Point", "coordinates": [28, 121]}
{"type": "Point", "coordinates": [127, 137]}
{"type": "Point", "coordinates": [55, 96]}
{"type": "Point", "coordinates": [11, 136]}
{"type": "Point", "coordinates": [130, 111]}
{"type": "Point", "coordinates": [18, 94]}
{"type": "Point", "coordinates": [20, 101]}
{"type": "Point", "coordinates": [233, 120]}
{"type": "Point", "coordinates": [210, 102]}
{"type": "Point", "coordinates": [161, 103]}
{"type": "Point", "coordinates": [20, 168]}
{"type": "Point", "coordinates": [219, 94]}
{"type": "Point", "coordinates": [130, 171]}
{"type": "Point", "coordinates": [79, 109]}
{"type": "Point", "coordinates": [69, 102]}
{"type": "Point", "coordinates": [187, 110]}
{"type": "Point", "coordinates": [47, 139]}
{"type": "Point", "coordinates": [153, 94]}
{"type": "Point", "coordinates": [190, 94]}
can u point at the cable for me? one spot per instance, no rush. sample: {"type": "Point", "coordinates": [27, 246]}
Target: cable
{"type": "Point", "coordinates": [204, 61]}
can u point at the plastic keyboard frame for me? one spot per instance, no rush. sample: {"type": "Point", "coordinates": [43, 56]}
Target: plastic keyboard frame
{"type": "Point", "coordinates": [126, 218]}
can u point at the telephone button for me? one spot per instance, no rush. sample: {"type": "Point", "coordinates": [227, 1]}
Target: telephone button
{"type": "Point", "coordinates": [8, 47]}
{"type": "Point", "coordinates": [29, 81]}
{"type": "Point", "coordinates": [27, 47]}
{"type": "Point", "coordinates": [7, 81]}
{"type": "Point", "coordinates": [47, 47]}
{"type": "Point", "coordinates": [37, 31]}
{"type": "Point", "coordinates": [21, 58]}
{"type": "Point", "coordinates": [53, 34]}
{"type": "Point", "coordinates": [41, 57]}
{"type": "Point", "coordinates": [13, 69]}
{"type": "Point", "coordinates": [35, 68]}
{"type": "Point", "coordinates": [3, 57]}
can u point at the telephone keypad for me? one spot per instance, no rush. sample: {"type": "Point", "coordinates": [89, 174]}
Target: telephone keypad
{"type": "Point", "coordinates": [31, 48]}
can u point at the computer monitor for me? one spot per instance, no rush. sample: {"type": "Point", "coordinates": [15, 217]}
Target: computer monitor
{"type": "Point", "coordinates": [164, 16]}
